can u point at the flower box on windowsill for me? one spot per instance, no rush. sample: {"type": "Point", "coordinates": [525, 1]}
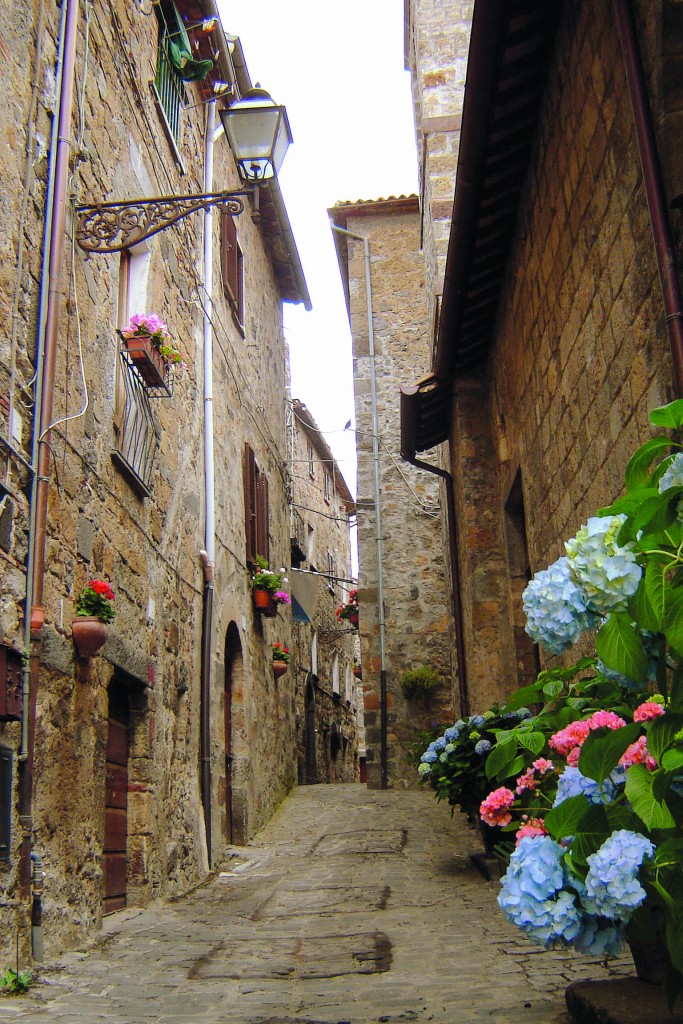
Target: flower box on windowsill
{"type": "Point", "coordinates": [151, 366]}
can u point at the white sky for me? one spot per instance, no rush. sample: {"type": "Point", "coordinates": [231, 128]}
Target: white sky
{"type": "Point", "coordinates": [337, 65]}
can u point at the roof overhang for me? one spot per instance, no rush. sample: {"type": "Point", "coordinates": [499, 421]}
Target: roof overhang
{"type": "Point", "coordinates": [511, 45]}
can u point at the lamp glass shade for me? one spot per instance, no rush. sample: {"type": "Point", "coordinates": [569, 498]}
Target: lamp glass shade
{"type": "Point", "coordinates": [259, 134]}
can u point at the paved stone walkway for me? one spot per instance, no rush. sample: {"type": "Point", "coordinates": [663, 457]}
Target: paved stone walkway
{"type": "Point", "coordinates": [352, 907]}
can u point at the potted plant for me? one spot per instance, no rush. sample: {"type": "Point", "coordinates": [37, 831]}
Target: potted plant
{"type": "Point", "coordinates": [349, 610]}
{"type": "Point", "coordinates": [419, 682]}
{"type": "Point", "coordinates": [267, 589]}
{"type": "Point", "coordinates": [94, 610]}
{"type": "Point", "coordinates": [147, 342]}
{"type": "Point", "coordinates": [281, 658]}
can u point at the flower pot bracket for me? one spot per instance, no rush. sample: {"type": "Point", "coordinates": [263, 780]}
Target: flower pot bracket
{"type": "Point", "coordinates": [146, 361]}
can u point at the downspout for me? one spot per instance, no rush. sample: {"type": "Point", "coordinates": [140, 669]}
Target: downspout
{"type": "Point", "coordinates": [378, 507]}
{"type": "Point", "coordinates": [208, 555]}
{"type": "Point", "coordinates": [654, 187]}
{"type": "Point", "coordinates": [46, 372]}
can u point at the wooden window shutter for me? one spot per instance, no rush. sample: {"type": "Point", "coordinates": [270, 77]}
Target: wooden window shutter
{"type": "Point", "coordinates": [262, 534]}
{"type": "Point", "coordinates": [230, 258]}
{"type": "Point", "coordinates": [250, 504]}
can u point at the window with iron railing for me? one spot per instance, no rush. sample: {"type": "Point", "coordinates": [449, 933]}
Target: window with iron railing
{"type": "Point", "coordinates": [136, 430]}
{"type": "Point", "coordinates": [168, 86]}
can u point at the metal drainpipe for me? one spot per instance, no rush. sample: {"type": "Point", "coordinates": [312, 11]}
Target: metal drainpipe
{"type": "Point", "coordinates": [654, 187]}
{"type": "Point", "coordinates": [455, 580]}
{"type": "Point", "coordinates": [378, 508]}
{"type": "Point", "coordinates": [44, 419]}
{"type": "Point", "coordinates": [208, 554]}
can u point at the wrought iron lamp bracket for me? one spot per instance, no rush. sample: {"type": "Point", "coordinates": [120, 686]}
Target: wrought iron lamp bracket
{"type": "Point", "coordinates": [111, 227]}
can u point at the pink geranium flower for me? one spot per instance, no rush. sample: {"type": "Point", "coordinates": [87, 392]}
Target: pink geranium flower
{"type": "Point", "coordinates": [530, 780]}
{"type": "Point", "coordinates": [495, 809]}
{"type": "Point", "coordinates": [568, 741]}
{"type": "Point", "coordinates": [647, 711]}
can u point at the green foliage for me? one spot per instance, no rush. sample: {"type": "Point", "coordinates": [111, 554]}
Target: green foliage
{"type": "Point", "coordinates": [15, 983]}
{"type": "Point", "coordinates": [419, 682]}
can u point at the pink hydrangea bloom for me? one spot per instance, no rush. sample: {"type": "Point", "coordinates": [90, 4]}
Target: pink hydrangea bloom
{"type": "Point", "coordinates": [495, 809]}
{"type": "Point", "coordinates": [568, 741]}
{"type": "Point", "coordinates": [638, 753]}
{"type": "Point", "coordinates": [529, 779]}
{"type": "Point", "coordinates": [571, 736]}
{"type": "Point", "coordinates": [647, 711]}
{"type": "Point", "coordinates": [600, 719]}
{"type": "Point", "coordinates": [532, 827]}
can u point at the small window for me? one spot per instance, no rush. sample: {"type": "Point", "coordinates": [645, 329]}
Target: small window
{"type": "Point", "coordinates": [255, 508]}
{"type": "Point", "coordinates": [327, 486]}
{"type": "Point", "coordinates": [331, 573]}
{"type": "Point", "coordinates": [169, 90]}
{"type": "Point", "coordinates": [232, 267]}
{"type": "Point", "coordinates": [311, 463]}
{"type": "Point", "coordinates": [335, 674]}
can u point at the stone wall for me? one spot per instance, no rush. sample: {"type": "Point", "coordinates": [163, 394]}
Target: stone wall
{"type": "Point", "coordinates": [100, 525]}
{"type": "Point", "coordinates": [416, 578]}
{"type": "Point", "coordinates": [324, 651]}
{"type": "Point", "coordinates": [580, 352]}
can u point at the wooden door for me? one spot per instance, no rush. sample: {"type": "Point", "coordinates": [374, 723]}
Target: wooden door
{"type": "Point", "coordinates": [115, 860]}
{"type": "Point", "coordinates": [228, 751]}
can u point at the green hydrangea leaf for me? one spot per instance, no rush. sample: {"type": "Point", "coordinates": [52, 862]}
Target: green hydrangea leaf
{"type": "Point", "coordinates": [672, 623]}
{"type": "Point", "coordinates": [648, 603]}
{"type": "Point", "coordinates": [563, 821]}
{"type": "Point", "coordinates": [602, 749]}
{"type": "Point", "coordinates": [672, 759]}
{"type": "Point", "coordinates": [500, 759]}
{"type": "Point", "coordinates": [524, 696]}
{"type": "Point", "coordinates": [553, 688]}
{"type": "Point", "coordinates": [639, 464]}
{"type": "Point", "coordinates": [670, 415]}
{"type": "Point", "coordinates": [590, 834]}
{"type": "Point", "coordinates": [533, 741]}
{"type": "Point", "coordinates": [652, 812]}
{"type": "Point", "coordinates": [662, 732]}
{"type": "Point", "coordinates": [621, 648]}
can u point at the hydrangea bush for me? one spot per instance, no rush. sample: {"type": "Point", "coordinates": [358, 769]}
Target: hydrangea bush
{"type": "Point", "coordinates": [591, 785]}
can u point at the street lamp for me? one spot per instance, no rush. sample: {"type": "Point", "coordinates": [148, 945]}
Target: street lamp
{"type": "Point", "coordinates": [259, 135]}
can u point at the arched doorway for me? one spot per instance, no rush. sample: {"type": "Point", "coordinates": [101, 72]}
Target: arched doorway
{"type": "Point", "coordinates": [311, 771]}
{"type": "Point", "coordinates": [233, 690]}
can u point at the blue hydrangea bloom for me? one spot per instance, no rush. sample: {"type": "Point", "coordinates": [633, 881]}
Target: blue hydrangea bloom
{"type": "Point", "coordinates": [533, 895]}
{"type": "Point", "coordinates": [605, 573]}
{"type": "Point", "coordinates": [612, 886]}
{"type": "Point", "coordinates": [516, 716]}
{"type": "Point", "coordinates": [572, 783]}
{"type": "Point", "coordinates": [429, 756]}
{"type": "Point", "coordinates": [482, 747]}
{"type": "Point", "coordinates": [555, 609]}
{"type": "Point", "coordinates": [440, 744]}
{"type": "Point", "coordinates": [453, 731]}
{"type": "Point", "coordinates": [599, 937]}
{"type": "Point", "coordinates": [477, 721]}
{"type": "Point", "coordinates": [673, 475]}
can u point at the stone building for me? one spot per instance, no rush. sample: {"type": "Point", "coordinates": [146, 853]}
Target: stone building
{"type": "Point", "coordinates": [404, 585]}
{"type": "Point", "coordinates": [127, 775]}
{"type": "Point", "coordinates": [329, 700]}
{"type": "Point", "coordinates": [556, 312]}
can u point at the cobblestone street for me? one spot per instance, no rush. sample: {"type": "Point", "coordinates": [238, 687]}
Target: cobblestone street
{"type": "Point", "coordinates": [352, 906]}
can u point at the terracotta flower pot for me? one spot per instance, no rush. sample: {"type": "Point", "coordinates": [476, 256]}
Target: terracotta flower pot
{"type": "Point", "coordinates": [279, 668]}
{"type": "Point", "coordinates": [147, 359]}
{"type": "Point", "coordinates": [265, 603]}
{"type": "Point", "coordinates": [90, 635]}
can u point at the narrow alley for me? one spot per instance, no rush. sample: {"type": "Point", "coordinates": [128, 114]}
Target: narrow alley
{"type": "Point", "coordinates": [353, 906]}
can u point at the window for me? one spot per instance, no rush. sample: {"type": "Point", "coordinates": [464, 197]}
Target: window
{"type": "Point", "coordinates": [169, 90]}
{"type": "Point", "coordinates": [312, 554]}
{"type": "Point", "coordinates": [335, 674]}
{"type": "Point", "coordinates": [135, 429]}
{"type": "Point", "coordinates": [331, 572]}
{"type": "Point", "coordinates": [232, 267]}
{"type": "Point", "coordinates": [314, 654]}
{"type": "Point", "coordinates": [311, 463]}
{"type": "Point", "coordinates": [327, 486]}
{"type": "Point", "coordinates": [256, 508]}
